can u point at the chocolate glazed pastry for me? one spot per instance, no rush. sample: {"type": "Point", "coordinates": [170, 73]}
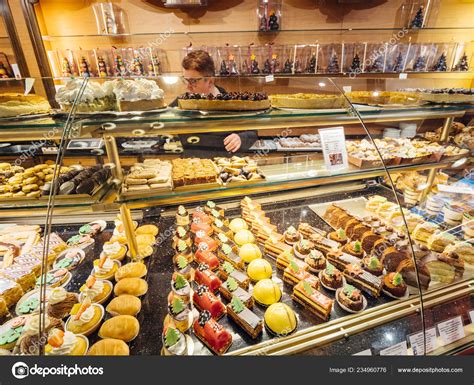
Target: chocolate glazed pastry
{"type": "Point", "coordinates": [392, 257]}
{"type": "Point", "coordinates": [407, 269]}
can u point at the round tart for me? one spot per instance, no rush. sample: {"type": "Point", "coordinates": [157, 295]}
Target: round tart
{"type": "Point", "coordinates": [338, 236]}
{"type": "Point", "coordinates": [114, 250]}
{"type": "Point", "coordinates": [266, 292]}
{"type": "Point", "coordinates": [30, 302]}
{"type": "Point", "coordinates": [354, 248]}
{"type": "Point", "coordinates": [174, 342]}
{"type": "Point", "coordinates": [292, 236]}
{"type": "Point", "coordinates": [97, 290]}
{"type": "Point", "coordinates": [11, 331]}
{"type": "Point", "coordinates": [315, 261]}
{"type": "Point", "coordinates": [302, 248]}
{"type": "Point", "coordinates": [69, 259]}
{"type": "Point", "coordinates": [182, 216]}
{"type": "Point", "coordinates": [93, 228]}
{"type": "Point", "coordinates": [372, 265]}
{"type": "Point", "coordinates": [62, 343]}
{"type": "Point", "coordinates": [331, 278]}
{"type": "Point", "coordinates": [105, 267]}
{"type": "Point", "coordinates": [350, 299]}
{"type": "Point", "coordinates": [60, 303]}
{"type": "Point", "coordinates": [280, 320]}
{"type": "Point", "coordinates": [86, 318]}
{"type": "Point", "coordinates": [55, 278]}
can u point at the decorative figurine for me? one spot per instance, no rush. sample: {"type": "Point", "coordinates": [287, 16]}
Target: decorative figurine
{"type": "Point", "coordinates": [275, 64]}
{"type": "Point", "coordinates": [263, 24]}
{"type": "Point", "coordinates": [377, 65]}
{"type": "Point", "coordinates": [223, 71]}
{"type": "Point", "coordinates": [245, 67]}
{"type": "Point", "coordinates": [298, 68]}
{"type": "Point", "coordinates": [84, 68]}
{"type": "Point", "coordinates": [311, 68]}
{"type": "Point", "coordinates": [233, 66]}
{"type": "Point", "coordinates": [462, 65]}
{"type": "Point", "coordinates": [254, 68]}
{"type": "Point", "coordinates": [102, 67]}
{"type": "Point", "coordinates": [287, 69]}
{"type": "Point", "coordinates": [420, 64]}
{"type": "Point", "coordinates": [417, 22]}
{"type": "Point", "coordinates": [267, 67]}
{"type": "Point", "coordinates": [355, 66]}
{"type": "Point", "coordinates": [137, 66]}
{"type": "Point", "coordinates": [120, 69]}
{"type": "Point", "coordinates": [333, 66]}
{"type": "Point", "coordinates": [66, 67]}
{"type": "Point", "coordinates": [441, 63]}
{"type": "Point", "coordinates": [398, 65]}
{"type": "Point", "coordinates": [273, 24]}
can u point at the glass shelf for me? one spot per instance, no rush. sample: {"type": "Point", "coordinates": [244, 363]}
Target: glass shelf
{"type": "Point", "coordinates": [321, 30]}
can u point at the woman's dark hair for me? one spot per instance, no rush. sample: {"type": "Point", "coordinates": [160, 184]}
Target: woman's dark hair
{"type": "Point", "coordinates": [199, 61]}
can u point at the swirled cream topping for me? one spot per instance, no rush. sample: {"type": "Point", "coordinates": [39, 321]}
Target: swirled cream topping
{"type": "Point", "coordinates": [58, 294]}
{"type": "Point", "coordinates": [96, 289]}
{"type": "Point", "coordinates": [112, 248]}
{"type": "Point", "coordinates": [86, 316]}
{"type": "Point", "coordinates": [33, 323]}
{"type": "Point", "coordinates": [69, 341]}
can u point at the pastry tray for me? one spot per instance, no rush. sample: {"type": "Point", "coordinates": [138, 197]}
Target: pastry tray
{"type": "Point", "coordinates": [121, 114]}
{"type": "Point", "coordinates": [146, 193]}
{"type": "Point", "coordinates": [292, 149]}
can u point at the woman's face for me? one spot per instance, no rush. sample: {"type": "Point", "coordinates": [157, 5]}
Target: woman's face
{"type": "Point", "coordinates": [198, 84]}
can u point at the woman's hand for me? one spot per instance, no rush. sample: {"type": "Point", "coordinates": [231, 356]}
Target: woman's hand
{"type": "Point", "coordinates": [232, 142]}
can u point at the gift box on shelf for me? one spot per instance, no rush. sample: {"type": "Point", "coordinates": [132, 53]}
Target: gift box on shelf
{"type": "Point", "coordinates": [104, 62]}
{"type": "Point", "coordinates": [109, 18]}
{"type": "Point", "coordinates": [329, 58]}
{"type": "Point", "coordinates": [397, 55]}
{"type": "Point", "coordinates": [228, 60]}
{"type": "Point", "coordinates": [269, 15]}
{"type": "Point", "coordinates": [282, 59]}
{"type": "Point", "coordinates": [306, 59]}
{"type": "Point", "coordinates": [85, 62]}
{"type": "Point", "coordinates": [375, 57]}
{"type": "Point", "coordinates": [353, 58]}
{"type": "Point", "coordinates": [419, 56]}
{"type": "Point", "coordinates": [442, 57]}
{"type": "Point", "coordinates": [463, 57]}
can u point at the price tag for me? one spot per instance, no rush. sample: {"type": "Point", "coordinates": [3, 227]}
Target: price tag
{"type": "Point", "coordinates": [471, 316]}
{"type": "Point", "coordinates": [366, 352]}
{"type": "Point", "coordinates": [403, 76]}
{"type": "Point", "coordinates": [333, 143]}
{"type": "Point", "coordinates": [269, 78]}
{"type": "Point", "coordinates": [29, 85]}
{"type": "Point", "coordinates": [451, 330]}
{"type": "Point", "coordinates": [347, 89]}
{"type": "Point", "coordinates": [455, 189]}
{"type": "Point", "coordinates": [399, 349]}
{"type": "Point", "coordinates": [16, 70]}
{"type": "Point", "coordinates": [417, 342]}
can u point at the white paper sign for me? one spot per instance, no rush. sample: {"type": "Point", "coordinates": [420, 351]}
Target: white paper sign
{"type": "Point", "coordinates": [269, 78]}
{"type": "Point", "coordinates": [347, 89]}
{"type": "Point", "coordinates": [400, 349]}
{"type": "Point", "coordinates": [403, 76]}
{"type": "Point", "coordinates": [29, 85]}
{"type": "Point", "coordinates": [333, 143]}
{"type": "Point", "coordinates": [455, 189]}
{"type": "Point", "coordinates": [366, 352]}
{"type": "Point", "coordinates": [451, 330]}
{"type": "Point", "coordinates": [16, 70]}
{"type": "Point", "coordinates": [471, 316]}
{"type": "Point", "coordinates": [417, 342]}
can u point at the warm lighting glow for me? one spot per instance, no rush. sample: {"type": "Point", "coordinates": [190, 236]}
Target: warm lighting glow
{"type": "Point", "coordinates": [375, 93]}
{"type": "Point", "coordinates": [321, 84]}
{"type": "Point", "coordinates": [170, 79]}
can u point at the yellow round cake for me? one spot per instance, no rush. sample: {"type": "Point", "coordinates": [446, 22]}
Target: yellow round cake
{"type": "Point", "coordinates": [280, 319]}
{"type": "Point", "coordinates": [266, 292]}
{"type": "Point", "coordinates": [259, 269]}
{"type": "Point", "coordinates": [244, 236]}
{"type": "Point", "coordinates": [250, 252]}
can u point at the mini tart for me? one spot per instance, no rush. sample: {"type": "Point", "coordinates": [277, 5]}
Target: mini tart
{"type": "Point", "coordinates": [331, 277]}
{"type": "Point", "coordinates": [102, 297]}
{"type": "Point", "coordinates": [350, 249]}
{"type": "Point", "coordinates": [350, 297]}
{"type": "Point", "coordinates": [89, 327]}
{"type": "Point", "coordinates": [108, 275]}
{"type": "Point", "coordinates": [292, 236]}
{"type": "Point", "coordinates": [315, 261]}
{"type": "Point", "coordinates": [11, 331]}
{"type": "Point", "coordinates": [302, 248]}
{"type": "Point", "coordinates": [80, 348]}
{"type": "Point", "coordinates": [394, 284]}
{"type": "Point", "coordinates": [372, 265]}
{"type": "Point", "coordinates": [120, 255]}
{"type": "Point", "coordinates": [55, 278]}
{"type": "Point", "coordinates": [69, 259]}
{"type": "Point", "coordinates": [338, 236]}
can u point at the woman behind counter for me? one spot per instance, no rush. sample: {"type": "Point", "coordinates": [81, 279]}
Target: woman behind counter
{"type": "Point", "coordinates": [198, 72]}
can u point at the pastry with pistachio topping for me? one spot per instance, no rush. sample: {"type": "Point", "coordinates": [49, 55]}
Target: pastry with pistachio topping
{"type": "Point", "coordinates": [181, 234]}
{"type": "Point", "coordinates": [354, 248]}
{"type": "Point", "coordinates": [219, 227]}
{"type": "Point", "coordinates": [183, 267]}
{"type": "Point", "coordinates": [182, 216]}
{"type": "Point", "coordinates": [244, 317]}
{"type": "Point", "coordinates": [211, 206]}
{"type": "Point", "coordinates": [350, 297]}
{"type": "Point", "coordinates": [181, 288]}
{"type": "Point", "coordinates": [338, 236]}
{"type": "Point", "coordinates": [394, 284]}
{"type": "Point", "coordinates": [230, 288]}
{"type": "Point", "coordinates": [182, 249]}
{"type": "Point", "coordinates": [372, 265]}
{"type": "Point", "coordinates": [227, 270]}
{"type": "Point", "coordinates": [211, 333]}
{"type": "Point", "coordinates": [228, 253]}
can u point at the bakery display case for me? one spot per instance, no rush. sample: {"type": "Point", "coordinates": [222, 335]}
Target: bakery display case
{"type": "Point", "coordinates": [342, 225]}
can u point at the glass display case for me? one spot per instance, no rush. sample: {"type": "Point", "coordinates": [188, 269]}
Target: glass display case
{"type": "Point", "coordinates": [341, 225]}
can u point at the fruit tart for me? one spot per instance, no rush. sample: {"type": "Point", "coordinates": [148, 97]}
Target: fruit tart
{"type": "Point", "coordinates": [105, 268]}
{"type": "Point", "coordinates": [97, 290]}
{"type": "Point", "coordinates": [114, 250]}
{"type": "Point", "coordinates": [66, 343]}
{"type": "Point", "coordinates": [85, 317]}
{"type": "Point", "coordinates": [69, 259]}
{"type": "Point", "coordinates": [60, 303]}
{"type": "Point", "coordinates": [211, 333]}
